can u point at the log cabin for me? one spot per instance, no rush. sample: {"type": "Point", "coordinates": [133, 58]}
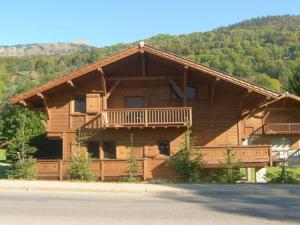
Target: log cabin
{"type": "Point", "coordinates": [144, 97]}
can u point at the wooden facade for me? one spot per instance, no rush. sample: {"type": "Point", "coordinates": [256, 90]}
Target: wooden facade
{"type": "Point", "coordinates": [144, 97]}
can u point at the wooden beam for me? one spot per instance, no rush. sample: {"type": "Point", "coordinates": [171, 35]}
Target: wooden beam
{"type": "Point", "coordinates": [23, 103]}
{"type": "Point", "coordinates": [176, 88]}
{"type": "Point", "coordinates": [71, 83]}
{"type": "Point", "coordinates": [143, 60]}
{"type": "Point", "coordinates": [112, 89]}
{"type": "Point", "coordinates": [243, 97]}
{"type": "Point", "coordinates": [213, 91]}
{"type": "Point", "coordinates": [102, 80]}
{"type": "Point", "coordinates": [46, 107]}
{"type": "Point", "coordinates": [124, 78]}
{"type": "Point", "coordinates": [184, 84]}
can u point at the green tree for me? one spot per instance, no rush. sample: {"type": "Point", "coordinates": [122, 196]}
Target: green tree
{"type": "Point", "coordinates": [188, 162]}
{"type": "Point", "coordinates": [294, 81]}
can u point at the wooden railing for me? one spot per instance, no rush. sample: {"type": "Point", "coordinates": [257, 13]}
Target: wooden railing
{"type": "Point", "coordinates": [251, 154]}
{"type": "Point", "coordinates": [282, 128]}
{"type": "Point", "coordinates": [106, 169]}
{"type": "Point", "coordinates": [140, 117]}
{"type": "Point", "coordinates": [147, 117]}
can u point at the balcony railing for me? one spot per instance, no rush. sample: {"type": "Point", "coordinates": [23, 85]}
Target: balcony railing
{"type": "Point", "coordinates": [282, 128]}
{"type": "Point", "coordinates": [140, 117]}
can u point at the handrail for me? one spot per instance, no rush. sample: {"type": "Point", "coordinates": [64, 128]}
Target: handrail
{"type": "Point", "coordinates": [274, 128]}
{"type": "Point", "coordinates": [140, 117]}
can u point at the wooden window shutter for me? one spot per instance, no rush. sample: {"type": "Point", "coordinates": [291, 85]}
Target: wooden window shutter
{"type": "Point", "coordinates": [92, 103]}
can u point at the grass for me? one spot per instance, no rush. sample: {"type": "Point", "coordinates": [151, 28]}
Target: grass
{"type": "Point", "coordinates": [292, 174]}
{"type": "Point", "coordinates": [2, 155]}
{"type": "Point", "coordinates": [253, 173]}
{"type": "Point", "coordinates": [3, 170]}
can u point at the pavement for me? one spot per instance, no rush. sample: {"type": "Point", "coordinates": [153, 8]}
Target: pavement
{"type": "Point", "coordinates": [82, 208]}
{"type": "Point", "coordinates": [149, 188]}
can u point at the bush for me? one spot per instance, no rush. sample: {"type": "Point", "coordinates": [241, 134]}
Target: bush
{"type": "Point", "coordinates": [24, 169]}
{"type": "Point", "coordinates": [188, 162]}
{"type": "Point", "coordinates": [80, 167]}
{"type": "Point", "coordinates": [230, 170]}
{"type": "Point", "coordinates": [286, 175]}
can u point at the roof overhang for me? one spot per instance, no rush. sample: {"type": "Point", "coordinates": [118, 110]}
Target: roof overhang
{"type": "Point", "coordinates": [151, 50]}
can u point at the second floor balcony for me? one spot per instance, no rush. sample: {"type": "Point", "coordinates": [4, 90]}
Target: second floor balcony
{"type": "Point", "coordinates": [141, 117]}
{"type": "Point", "coordinates": [282, 128]}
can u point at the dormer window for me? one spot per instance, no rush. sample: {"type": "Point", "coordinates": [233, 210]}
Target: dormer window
{"type": "Point", "coordinates": [80, 103]}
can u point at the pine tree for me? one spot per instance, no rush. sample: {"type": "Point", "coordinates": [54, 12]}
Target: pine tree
{"type": "Point", "coordinates": [294, 81]}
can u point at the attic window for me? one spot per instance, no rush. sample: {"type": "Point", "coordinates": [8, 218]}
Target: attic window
{"type": "Point", "coordinates": [80, 103]}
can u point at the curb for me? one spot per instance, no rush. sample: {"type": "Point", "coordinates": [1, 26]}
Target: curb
{"type": "Point", "coordinates": [160, 192]}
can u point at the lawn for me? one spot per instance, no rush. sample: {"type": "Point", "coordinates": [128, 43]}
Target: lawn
{"type": "Point", "coordinates": [2, 155]}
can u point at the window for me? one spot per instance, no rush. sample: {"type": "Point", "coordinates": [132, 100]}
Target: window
{"type": "Point", "coordinates": [191, 92]}
{"type": "Point", "coordinates": [93, 149]}
{"type": "Point", "coordinates": [164, 147]}
{"type": "Point", "coordinates": [109, 149]}
{"type": "Point", "coordinates": [133, 102]}
{"type": "Point", "coordinates": [80, 103]}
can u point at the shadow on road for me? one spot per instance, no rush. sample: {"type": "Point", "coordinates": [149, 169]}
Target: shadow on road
{"type": "Point", "coordinates": [285, 208]}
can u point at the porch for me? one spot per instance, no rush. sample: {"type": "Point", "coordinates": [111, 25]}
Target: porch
{"type": "Point", "coordinates": [109, 169]}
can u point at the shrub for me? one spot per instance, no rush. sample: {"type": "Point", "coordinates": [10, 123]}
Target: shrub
{"type": "Point", "coordinates": [230, 169]}
{"type": "Point", "coordinates": [80, 167]}
{"type": "Point", "coordinates": [283, 175]}
{"type": "Point", "coordinates": [24, 169]}
{"type": "Point", "coordinates": [188, 162]}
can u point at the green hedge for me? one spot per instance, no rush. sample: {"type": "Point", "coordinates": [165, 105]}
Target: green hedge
{"type": "Point", "coordinates": [292, 175]}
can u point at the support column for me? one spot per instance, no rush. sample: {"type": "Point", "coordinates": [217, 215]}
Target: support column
{"type": "Point", "coordinates": [248, 175]}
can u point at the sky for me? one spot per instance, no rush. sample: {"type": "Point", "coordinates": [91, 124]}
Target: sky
{"type": "Point", "coordinates": [109, 22]}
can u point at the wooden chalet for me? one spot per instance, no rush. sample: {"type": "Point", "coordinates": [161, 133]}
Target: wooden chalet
{"type": "Point", "coordinates": [145, 97]}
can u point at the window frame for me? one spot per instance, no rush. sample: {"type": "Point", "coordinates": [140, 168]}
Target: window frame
{"type": "Point", "coordinates": [75, 98]}
{"type": "Point", "coordinates": [196, 92]}
{"type": "Point", "coordinates": [91, 153]}
{"type": "Point", "coordinates": [169, 147]}
{"type": "Point", "coordinates": [115, 149]}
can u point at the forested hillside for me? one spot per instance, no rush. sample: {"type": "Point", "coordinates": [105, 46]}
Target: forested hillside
{"type": "Point", "coordinates": [262, 50]}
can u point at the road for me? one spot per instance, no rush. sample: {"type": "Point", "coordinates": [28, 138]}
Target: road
{"type": "Point", "coordinates": [47, 208]}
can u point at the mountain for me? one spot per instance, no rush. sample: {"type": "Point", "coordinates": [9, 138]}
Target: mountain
{"type": "Point", "coordinates": [263, 50]}
{"type": "Point", "coordinates": [44, 49]}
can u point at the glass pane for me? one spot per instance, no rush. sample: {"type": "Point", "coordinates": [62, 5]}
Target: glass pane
{"type": "Point", "coordinates": [164, 147]}
{"type": "Point", "coordinates": [109, 148]}
{"type": "Point", "coordinates": [79, 103]}
{"type": "Point", "coordinates": [191, 92]}
{"type": "Point", "coordinates": [93, 149]}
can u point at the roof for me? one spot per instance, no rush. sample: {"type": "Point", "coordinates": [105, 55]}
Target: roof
{"type": "Point", "coordinates": [158, 52]}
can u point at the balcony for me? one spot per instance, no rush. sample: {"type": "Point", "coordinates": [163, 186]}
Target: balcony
{"type": "Point", "coordinates": [282, 128]}
{"type": "Point", "coordinates": [140, 117]}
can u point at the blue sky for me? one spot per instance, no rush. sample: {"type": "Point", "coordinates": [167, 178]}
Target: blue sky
{"type": "Point", "coordinates": [110, 22]}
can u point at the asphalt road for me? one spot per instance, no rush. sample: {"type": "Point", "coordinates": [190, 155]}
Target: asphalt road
{"type": "Point", "coordinates": [45, 208]}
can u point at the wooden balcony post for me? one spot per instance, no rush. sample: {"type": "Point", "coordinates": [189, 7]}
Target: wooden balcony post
{"type": "Point", "coordinates": [102, 170]}
{"type": "Point", "coordinates": [145, 169]}
{"type": "Point", "coordinates": [270, 155]}
{"type": "Point", "coordinates": [146, 117]}
{"type": "Point", "coordinates": [61, 170]}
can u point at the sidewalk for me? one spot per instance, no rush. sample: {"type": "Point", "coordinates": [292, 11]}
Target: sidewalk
{"type": "Point", "coordinates": [145, 188]}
